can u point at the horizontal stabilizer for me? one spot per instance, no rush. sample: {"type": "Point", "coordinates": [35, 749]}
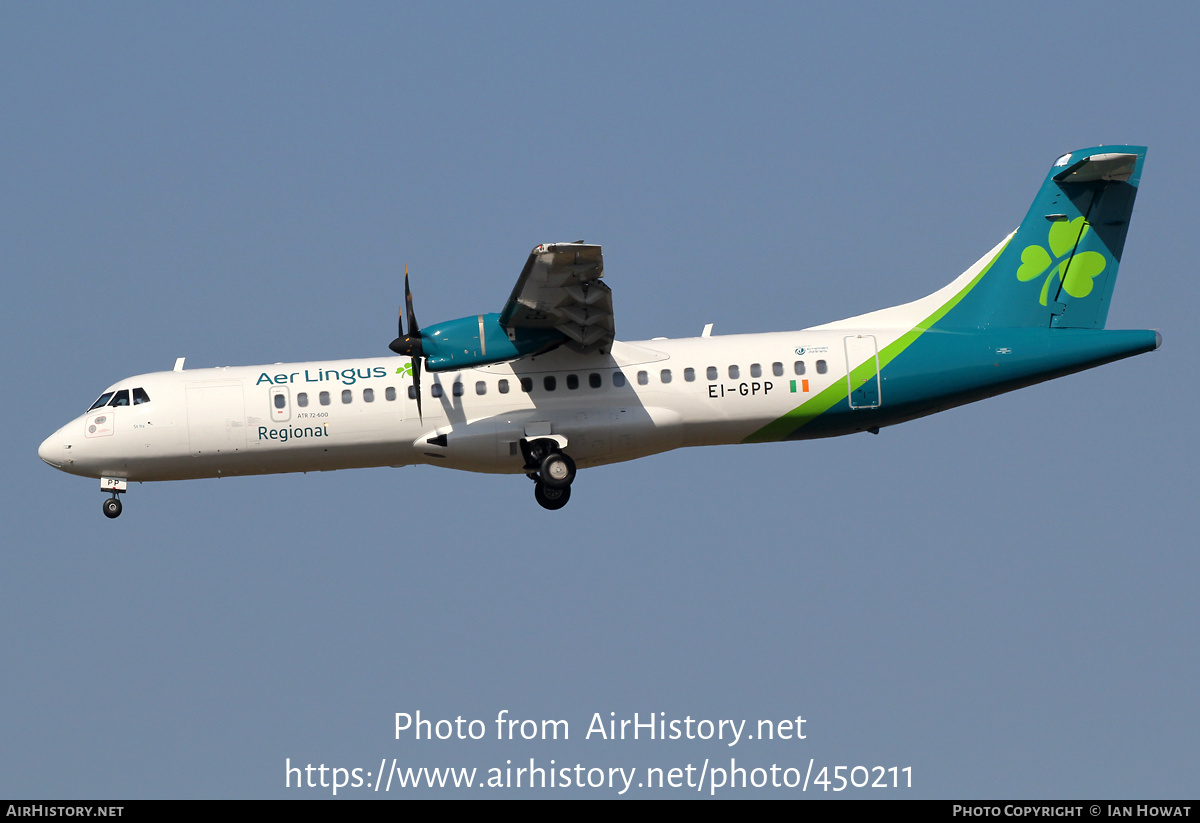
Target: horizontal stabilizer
{"type": "Point", "coordinates": [1105, 167]}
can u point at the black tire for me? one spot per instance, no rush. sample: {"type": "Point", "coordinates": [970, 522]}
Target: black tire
{"type": "Point", "coordinates": [552, 499]}
{"type": "Point", "coordinates": [112, 508]}
{"type": "Point", "coordinates": [557, 470]}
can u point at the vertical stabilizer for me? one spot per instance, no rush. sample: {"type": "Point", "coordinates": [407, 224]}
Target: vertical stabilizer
{"type": "Point", "coordinates": [1059, 268]}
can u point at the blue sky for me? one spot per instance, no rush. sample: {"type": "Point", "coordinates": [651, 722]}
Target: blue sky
{"type": "Point", "coordinates": [1001, 597]}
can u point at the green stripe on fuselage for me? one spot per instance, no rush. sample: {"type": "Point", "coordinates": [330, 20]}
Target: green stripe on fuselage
{"type": "Point", "coordinates": [786, 425]}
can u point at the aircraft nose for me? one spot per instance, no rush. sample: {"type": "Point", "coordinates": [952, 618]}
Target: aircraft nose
{"type": "Point", "coordinates": [51, 450]}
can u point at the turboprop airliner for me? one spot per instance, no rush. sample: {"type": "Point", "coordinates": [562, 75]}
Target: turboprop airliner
{"type": "Point", "coordinates": [542, 387]}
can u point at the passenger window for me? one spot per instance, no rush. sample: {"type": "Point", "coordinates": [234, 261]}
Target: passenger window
{"type": "Point", "coordinates": [527, 384]}
{"type": "Point", "coordinates": [689, 375]}
{"type": "Point", "coordinates": [799, 367]}
{"type": "Point", "coordinates": [755, 370]}
{"type": "Point", "coordinates": [121, 398]}
{"type": "Point", "coordinates": [347, 396]}
{"type": "Point", "coordinates": [458, 389]}
{"type": "Point", "coordinates": [324, 398]}
{"type": "Point", "coordinates": [389, 393]}
{"type": "Point", "coordinates": [712, 373]}
{"type": "Point", "coordinates": [822, 367]}
{"type": "Point", "coordinates": [665, 375]}
{"type": "Point", "coordinates": [572, 381]}
{"type": "Point", "coordinates": [412, 392]}
{"type": "Point", "coordinates": [777, 369]}
{"type": "Point", "coordinates": [102, 401]}
{"type": "Point", "coordinates": [140, 397]}
{"type": "Point", "coordinates": [734, 372]}
{"type": "Point", "coordinates": [502, 387]}
{"type": "Point", "coordinates": [595, 381]}
{"type": "Point", "coordinates": [280, 401]}
{"type": "Point", "coordinates": [618, 379]}
{"type": "Point", "coordinates": [480, 387]}
{"type": "Point", "coordinates": [643, 378]}
{"type": "Point", "coordinates": [368, 395]}
{"type": "Point", "coordinates": [436, 390]}
{"type": "Point", "coordinates": [302, 399]}
{"type": "Point", "coordinates": [549, 383]}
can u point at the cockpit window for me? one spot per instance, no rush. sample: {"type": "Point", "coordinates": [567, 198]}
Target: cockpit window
{"type": "Point", "coordinates": [102, 400]}
{"type": "Point", "coordinates": [121, 398]}
{"type": "Point", "coordinates": [140, 396]}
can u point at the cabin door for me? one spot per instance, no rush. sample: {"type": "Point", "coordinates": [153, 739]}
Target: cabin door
{"type": "Point", "coordinates": [862, 371]}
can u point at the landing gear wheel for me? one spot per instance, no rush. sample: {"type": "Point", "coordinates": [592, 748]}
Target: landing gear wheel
{"type": "Point", "coordinates": [552, 499]}
{"type": "Point", "coordinates": [557, 470]}
{"type": "Point", "coordinates": [112, 508]}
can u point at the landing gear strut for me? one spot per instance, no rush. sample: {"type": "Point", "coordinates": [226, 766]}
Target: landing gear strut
{"type": "Point", "coordinates": [552, 471]}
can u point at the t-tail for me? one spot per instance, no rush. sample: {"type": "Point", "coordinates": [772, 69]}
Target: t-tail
{"type": "Point", "coordinates": [1059, 268]}
{"type": "Point", "coordinates": [1032, 309]}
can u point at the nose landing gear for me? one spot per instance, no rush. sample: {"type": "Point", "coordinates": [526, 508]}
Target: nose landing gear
{"type": "Point", "coordinates": [116, 485]}
{"type": "Point", "coordinates": [551, 470]}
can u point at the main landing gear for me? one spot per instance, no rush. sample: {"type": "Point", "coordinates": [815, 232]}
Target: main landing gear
{"type": "Point", "coordinates": [551, 470]}
{"type": "Point", "coordinates": [116, 485]}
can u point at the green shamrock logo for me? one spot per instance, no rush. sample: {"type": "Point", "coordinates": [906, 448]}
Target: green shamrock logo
{"type": "Point", "coordinates": [406, 370]}
{"type": "Point", "coordinates": [1075, 273]}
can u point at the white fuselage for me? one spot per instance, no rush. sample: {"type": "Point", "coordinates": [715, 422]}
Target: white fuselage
{"type": "Point", "coordinates": [642, 398]}
{"type": "Point", "coordinates": [594, 400]}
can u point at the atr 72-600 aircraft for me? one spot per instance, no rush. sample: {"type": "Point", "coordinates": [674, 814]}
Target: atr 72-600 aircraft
{"type": "Point", "coordinates": [543, 386]}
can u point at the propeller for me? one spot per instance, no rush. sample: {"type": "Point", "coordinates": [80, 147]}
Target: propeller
{"type": "Point", "coordinates": [410, 344]}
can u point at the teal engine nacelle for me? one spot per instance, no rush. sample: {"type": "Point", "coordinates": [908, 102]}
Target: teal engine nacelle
{"type": "Point", "coordinates": [479, 340]}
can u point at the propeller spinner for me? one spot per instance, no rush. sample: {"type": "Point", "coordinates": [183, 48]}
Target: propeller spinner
{"type": "Point", "coordinates": [410, 344]}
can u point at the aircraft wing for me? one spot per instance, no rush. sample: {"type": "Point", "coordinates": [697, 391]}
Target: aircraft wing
{"type": "Point", "coordinates": [560, 289]}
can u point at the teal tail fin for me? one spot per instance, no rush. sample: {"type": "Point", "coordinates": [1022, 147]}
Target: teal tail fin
{"type": "Point", "coordinates": [1059, 268]}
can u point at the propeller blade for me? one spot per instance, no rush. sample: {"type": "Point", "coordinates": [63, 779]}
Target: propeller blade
{"type": "Point", "coordinates": [416, 374]}
{"type": "Point", "coordinates": [410, 343]}
{"type": "Point", "coordinates": [414, 330]}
